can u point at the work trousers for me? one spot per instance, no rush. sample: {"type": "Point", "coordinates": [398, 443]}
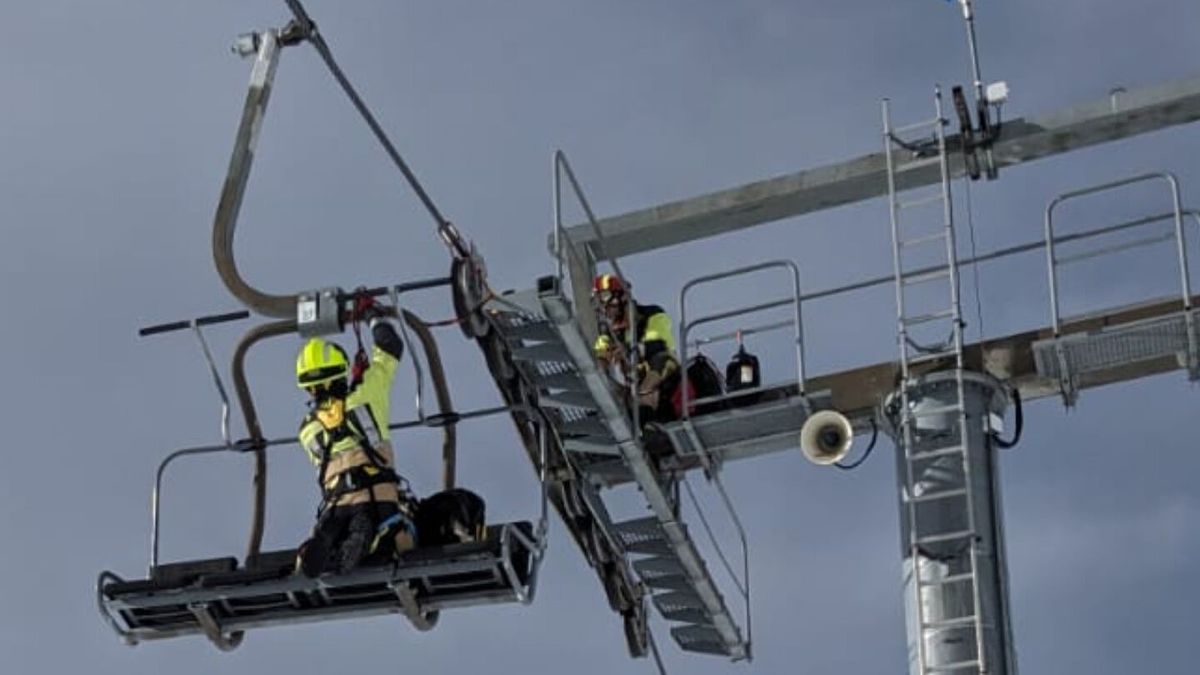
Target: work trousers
{"type": "Point", "coordinates": [342, 538]}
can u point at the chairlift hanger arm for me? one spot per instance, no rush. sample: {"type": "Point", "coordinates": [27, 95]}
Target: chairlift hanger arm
{"type": "Point", "coordinates": [268, 45]}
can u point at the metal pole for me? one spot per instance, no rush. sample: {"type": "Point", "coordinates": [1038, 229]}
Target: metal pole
{"type": "Point", "coordinates": [969, 17]}
{"type": "Point", "coordinates": [952, 486]}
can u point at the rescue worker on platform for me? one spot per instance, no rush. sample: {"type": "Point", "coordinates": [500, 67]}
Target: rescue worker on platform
{"type": "Point", "coordinates": [364, 515]}
{"type": "Point", "coordinates": [658, 373]}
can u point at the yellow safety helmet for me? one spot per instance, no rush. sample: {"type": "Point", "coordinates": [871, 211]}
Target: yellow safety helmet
{"type": "Point", "coordinates": [320, 362]}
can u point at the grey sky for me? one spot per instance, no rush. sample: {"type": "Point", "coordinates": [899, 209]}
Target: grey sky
{"type": "Point", "coordinates": [118, 118]}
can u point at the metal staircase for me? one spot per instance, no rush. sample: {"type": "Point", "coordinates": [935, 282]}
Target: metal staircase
{"type": "Point", "coordinates": [936, 482]}
{"type": "Point", "coordinates": [590, 419]}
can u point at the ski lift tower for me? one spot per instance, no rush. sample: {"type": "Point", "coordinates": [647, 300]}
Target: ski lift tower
{"type": "Point", "coordinates": [940, 399]}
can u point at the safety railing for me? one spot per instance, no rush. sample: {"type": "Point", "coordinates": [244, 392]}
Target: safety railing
{"type": "Point", "coordinates": [742, 584]}
{"type": "Point", "coordinates": [795, 322]}
{"type": "Point", "coordinates": [1054, 261]}
{"type": "Point", "coordinates": [257, 443]}
{"type": "Point", "coordinates": [562, 167]}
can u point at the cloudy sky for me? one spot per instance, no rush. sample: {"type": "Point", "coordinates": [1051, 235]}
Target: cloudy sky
{"type": "Point", "coordinates": [118, 118]}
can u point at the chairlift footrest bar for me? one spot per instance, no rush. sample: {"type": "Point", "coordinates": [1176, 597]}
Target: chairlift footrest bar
{"type": "Point", "coordinates": [501, 568]}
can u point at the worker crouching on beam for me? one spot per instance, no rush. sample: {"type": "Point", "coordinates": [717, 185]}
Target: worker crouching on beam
{"type": "Point", "coordinates": [658, 373]}
{"type": "Point", "coordinates": [366, 512]}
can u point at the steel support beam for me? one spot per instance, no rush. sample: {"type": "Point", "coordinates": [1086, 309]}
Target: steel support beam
{"type": "Point", "coordinates": [1021, 140]}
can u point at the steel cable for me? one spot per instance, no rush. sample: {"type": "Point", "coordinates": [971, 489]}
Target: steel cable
{"type": "Point", "coordinates": [309, 30]}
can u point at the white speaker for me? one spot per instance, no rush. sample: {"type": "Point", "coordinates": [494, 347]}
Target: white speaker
{"type": "Point", "coordinates": [826, 437]}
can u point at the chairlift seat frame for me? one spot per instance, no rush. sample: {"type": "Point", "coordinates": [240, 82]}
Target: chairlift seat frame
{"type": "Point", "coordinates": [500, 568]}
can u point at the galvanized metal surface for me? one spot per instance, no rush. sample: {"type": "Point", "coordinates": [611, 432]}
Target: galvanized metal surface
{"type": "Point", "coordinates": [1020, 140]}
{"type": "Point", "coordinates": [956, 600]}
{"type": "Point", "coordinates": [604, 421]}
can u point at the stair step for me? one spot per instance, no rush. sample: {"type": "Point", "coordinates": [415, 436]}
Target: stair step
{"type": "Point", "coordinates": [524, 303]}
{"type": "Point", "coordinates": [662, 566]}
{"type": "Point", "coordinates": [945, 536]}
{"type": "Point", "coordinates": [587, 426]}
{"type": "Point", "coordinates": [682, 606]}
{"type": "Point", "coordinates": [699, 638]}
{"type": "Point", "coordinates": [658, 547]}
{"type": "Point", "coordinates": [542, 352]}
{"type": "Point", "coordinates": [940, 494]}
{"type": "Point", "coordinates": [639, 527]}
{"type": "Point", "coordinates": [567, 381]}
{"type": "Point", "coordinates": [591, 445]}
{"type": "Point", "coordinates": [568, 399]}
{"type": "Point", "coordinates": [540, 331]}
{"type": "Point", "coordinates": [609, 471]}
{"type": "Point", "coordinates": [669, 583]}
{"type": "Point", "coordinates": [686, 615]}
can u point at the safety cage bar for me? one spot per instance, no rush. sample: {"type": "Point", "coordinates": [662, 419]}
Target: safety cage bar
{"type": "Point", "coordinates": [561, 168]}
{"type": "Point", "coordinates": [795, 321]}
{"type": "Point", "coordinates": [1054, 260]}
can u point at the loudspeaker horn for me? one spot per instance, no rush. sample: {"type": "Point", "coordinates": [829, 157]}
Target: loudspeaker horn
{"type": "Point", "coordinates": [826, 437]}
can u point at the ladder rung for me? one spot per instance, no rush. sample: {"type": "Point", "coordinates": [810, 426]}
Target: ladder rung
{"type": "Point", "coordinates": [940, 452]}
{"type": "Point", "coordinates": [945, 536]}
{"type": "Point", "coordinates": [945, 581]}
{"type": "Point", "coordinates": [956, 665]}
{"type": "Point", "coordinates": [932, 356]}
{"type": "Point", "coordinates": [916, 125]}
{"type": "Point", "coordinates": [922, 201]}
{"type": "Point", "coordinates": [926, 318]}
{"type": "Point", "coordinates": [940, 235]}
{"type": "Point", "coordinates": [936, 410]}
{"type": "Point", "coordinates": [941, 494]}
{"type": "Point", "coordinates": [956, 622]}
{"type": "Point", "coordinates": [925, 277]}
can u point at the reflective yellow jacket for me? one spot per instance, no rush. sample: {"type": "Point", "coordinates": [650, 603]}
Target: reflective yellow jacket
{"type": "Point", "coordinates": [367, 416]}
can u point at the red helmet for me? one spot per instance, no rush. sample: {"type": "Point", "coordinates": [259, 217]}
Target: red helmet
{"type": "Point", "coordinates": [606, 286]}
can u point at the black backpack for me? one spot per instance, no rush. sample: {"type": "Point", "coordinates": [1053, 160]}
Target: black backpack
{"type": "Point", "coordinates": [706, 382]}
{"type": "Point", "coordinates": [450, 517]}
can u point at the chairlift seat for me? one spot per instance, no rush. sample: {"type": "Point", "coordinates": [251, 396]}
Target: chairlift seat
{"type": "Point", "coordinates": [500, 568]}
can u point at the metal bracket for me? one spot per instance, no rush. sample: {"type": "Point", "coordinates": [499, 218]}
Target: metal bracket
{"type": "Point", "coordinates": [212, 629]}
{"type": "Point", "coordinates": [1067, 385]}
{"type": "Point", "coordinates": [422, 621]}
{"type": "Point", "coordinates": [1193, 346]}
{"type": "Point", "coordinates": [319, 312]}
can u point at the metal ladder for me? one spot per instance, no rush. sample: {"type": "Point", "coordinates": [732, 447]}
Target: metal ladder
{"type": "Point", "coordinates": [949, 452]}
{"type": "Point", "coordinates": [549, 349]}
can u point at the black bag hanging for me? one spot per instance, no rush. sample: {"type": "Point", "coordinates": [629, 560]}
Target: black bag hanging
{"type": "Point", "coordinates": [743, 371]}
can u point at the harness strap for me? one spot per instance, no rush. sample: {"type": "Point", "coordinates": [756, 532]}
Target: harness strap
{"type": "Point", "coordinates": [356, 479]}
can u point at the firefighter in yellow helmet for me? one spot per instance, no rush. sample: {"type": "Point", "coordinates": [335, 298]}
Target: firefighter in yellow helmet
{"type": "Point", "coordinates": [365, 514]}
{"type": "Point", "coordinates": [658, 372]}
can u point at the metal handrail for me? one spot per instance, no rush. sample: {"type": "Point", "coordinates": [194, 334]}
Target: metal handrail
{"type": "Point", "coordinates": [685, 327]}
{"type": "Point", "coordinates": [743, 584]}
{"type": "Point", "coordinates": [156, 496]}
{"type": "Point", "coordinates": [562, 166]}
{"type": "Point", "coordinates": [1177, 213]}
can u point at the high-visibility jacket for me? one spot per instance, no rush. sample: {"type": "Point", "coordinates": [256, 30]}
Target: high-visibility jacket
{"type": "Point", "coordinates": [657, 343]}
{"type": "Point", "coordinates": [360, 448]}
